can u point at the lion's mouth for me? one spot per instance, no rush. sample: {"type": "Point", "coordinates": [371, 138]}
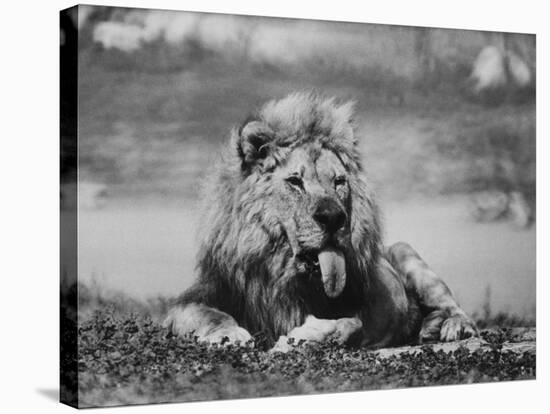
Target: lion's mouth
{"type": "Point", "coordinates": [330, 264]}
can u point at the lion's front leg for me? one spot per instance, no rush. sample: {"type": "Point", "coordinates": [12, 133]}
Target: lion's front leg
{"type": "Point", "coordinates": [443, 319]}
{"type": "Point", "coordinates": [316, 330]}
{"type": "Point", "coordinates": [206, 323]}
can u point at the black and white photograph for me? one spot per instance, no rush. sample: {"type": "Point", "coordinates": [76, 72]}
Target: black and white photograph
{"type": "Point", "coordinates": [261, 206]}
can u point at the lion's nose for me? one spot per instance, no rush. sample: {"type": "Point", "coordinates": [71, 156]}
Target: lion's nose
{"type": "Point", "coordinates": [329, 215]}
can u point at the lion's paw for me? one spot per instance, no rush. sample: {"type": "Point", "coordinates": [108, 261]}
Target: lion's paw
{"type": "Point", "coordinates": [347, 329]}
{"type": "Point", "coordinates": [431, 326]}
{"type": "Point", "coordinates": [316, 330]}
{"type": "Point", "coordinates": [442, 325]}
{"type": "Point", "coordinates": [206, 324]}
{"type": "Point", "coordinates": [234, 335]}
{"type": "Point", "coordinates": [456, 327]}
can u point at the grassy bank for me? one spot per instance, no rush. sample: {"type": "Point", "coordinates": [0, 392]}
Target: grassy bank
{"type": "Point", "coordinates": [131, 359]}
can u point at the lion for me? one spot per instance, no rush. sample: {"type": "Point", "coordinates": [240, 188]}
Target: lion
{"type": "Point", "coordinates": [291, 243]}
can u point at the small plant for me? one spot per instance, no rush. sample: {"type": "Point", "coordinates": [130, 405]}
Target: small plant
{"type": "Point", "coordinates": [129, 357]}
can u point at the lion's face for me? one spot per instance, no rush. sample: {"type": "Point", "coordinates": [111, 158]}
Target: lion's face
{"type": "Point", "coordinates": [312, 200]}
{"type": "Point", "coordinates": [299, 177]}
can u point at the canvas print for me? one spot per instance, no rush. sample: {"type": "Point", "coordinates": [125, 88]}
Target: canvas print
{"type": "Point", "coordinates": [256, 206]}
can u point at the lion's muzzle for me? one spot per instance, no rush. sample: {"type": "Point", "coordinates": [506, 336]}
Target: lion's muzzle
{"type": "Point", "coordinates": [330, 216]}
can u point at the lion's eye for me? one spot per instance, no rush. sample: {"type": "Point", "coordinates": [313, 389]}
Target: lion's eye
{"type": "Point", "coordinates": [340, 180]}
{"type": "Point", "coordinates": [295, 180]}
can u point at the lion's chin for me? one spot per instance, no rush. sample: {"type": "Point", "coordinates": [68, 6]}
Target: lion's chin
{"type": "Point", "coordinates": [333, 271]}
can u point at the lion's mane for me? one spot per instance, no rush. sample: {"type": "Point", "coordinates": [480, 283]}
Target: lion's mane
{"type": "Point", "coordinates": [244, 263]}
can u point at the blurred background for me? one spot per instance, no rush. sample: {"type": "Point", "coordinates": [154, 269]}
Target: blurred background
{"type": "Point", "coordinates": [446, 120]}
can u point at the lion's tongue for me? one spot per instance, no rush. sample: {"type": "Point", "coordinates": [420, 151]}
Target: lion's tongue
{"type": "Point", "coordinates": [333, 271]}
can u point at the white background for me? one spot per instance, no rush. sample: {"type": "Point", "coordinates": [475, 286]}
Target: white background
{"type": "Point", "coordinates": [29, 172]}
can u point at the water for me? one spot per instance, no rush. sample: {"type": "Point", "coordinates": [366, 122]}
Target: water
{"type": "Point", "coordinates": [147, 250]}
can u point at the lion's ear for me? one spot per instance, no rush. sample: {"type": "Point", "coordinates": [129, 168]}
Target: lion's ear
{"type": "Point", "coordinates": [253, 142]}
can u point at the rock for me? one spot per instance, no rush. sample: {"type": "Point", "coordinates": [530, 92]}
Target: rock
{"type": "Point", "coordinates": [487, 206]}
{"type": "Point", "coordinates": [522, 334]}
{"type": "Point", "coordinates": [496, 69]}
{"type": "Point", "coordinates": [489, 69]}
{"type": "Point", "coordinates": [518, 70]}
{"type": "Point", "coordinates": [519, 340]}
{"type": "Point", "coordinates": [519, 211]}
